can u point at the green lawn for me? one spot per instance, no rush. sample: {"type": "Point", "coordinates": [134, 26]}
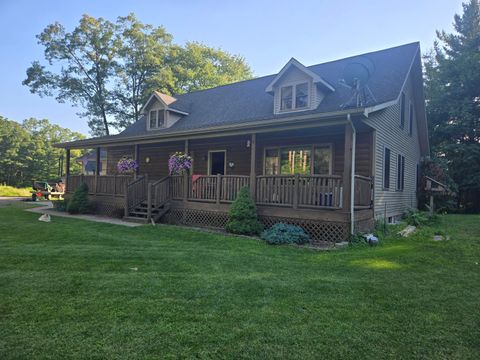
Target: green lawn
{"type": "Point", "coordinates": [6, 190]}
{"type": "Point", "coordinates": [68, 291]}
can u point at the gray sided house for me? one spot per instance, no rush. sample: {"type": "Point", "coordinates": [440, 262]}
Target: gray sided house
{"type": "Point", "coordinates": [329, 147]}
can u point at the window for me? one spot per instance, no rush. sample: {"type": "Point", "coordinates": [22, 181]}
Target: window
{"type": "Point", "coordinates": [301, 95]}
{"type": "Point", "coordinates": [298, 160]}
{"type": "Point", "coordinates": [295, 161]}
{"type": "Point", "coordinates": [157, 119]}
{"type": "Point", "coordinates": [402, 111]}
{"type": "Point", "coordinates": [153, 119]}
{"type": "Point", "coordinates": [160, 118]}
{"type": "Point", "coordinates": [386, 168]}
{"type": "Point", "coordinates": [294, 96]}
{"type": "Point", "coordinates": [410, 119]}
{"type": "Point", "coordinates": [400, 172]}
{"type": "Point", "coordinates": [271, 162]}
{"type": "Point", "coordinates": [322, 160]}
{"type": "Point", "coordinates": [287, 96]}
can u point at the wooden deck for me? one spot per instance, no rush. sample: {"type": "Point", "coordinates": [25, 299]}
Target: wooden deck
{"type": "Point", "coordinates": [307, 192]}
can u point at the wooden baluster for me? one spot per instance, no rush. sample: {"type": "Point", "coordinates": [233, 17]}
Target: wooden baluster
{"type": "Point", "coordinates": [219, 188]}
{"type": "Point", "coordinates": [295, 191]}
{"type": "Point", "coordinates": [149, 202]}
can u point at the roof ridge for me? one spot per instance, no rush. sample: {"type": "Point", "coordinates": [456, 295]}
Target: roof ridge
{"type": "Point", "coordinates": [308, 66]}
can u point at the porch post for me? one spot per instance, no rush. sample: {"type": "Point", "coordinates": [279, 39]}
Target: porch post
{"type": "Point", "coordinates": [253, 178]}
{"type": "Point", "coordinates": [67, 168]}
{"type": "Point", "coordinates": [136, 157]}
{"type": "Point", "coordinates": [347, 169]}
{"type": "Point", "coordinates": [185, 176]}
{"type": "Point", "coordinates": [97, 170]}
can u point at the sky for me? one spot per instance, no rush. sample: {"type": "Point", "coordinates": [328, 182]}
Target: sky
{"type": "Point", "coordinates": [266, 33]}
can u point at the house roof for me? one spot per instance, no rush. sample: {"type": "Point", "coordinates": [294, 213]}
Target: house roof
{"type": "Point", "coordinates": [247, 101]}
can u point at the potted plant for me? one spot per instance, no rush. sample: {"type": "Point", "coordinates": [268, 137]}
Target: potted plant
{"type": "Point", "coordinates": [178, 163]}
{"type": "Point", "coordinates": [126, 165]}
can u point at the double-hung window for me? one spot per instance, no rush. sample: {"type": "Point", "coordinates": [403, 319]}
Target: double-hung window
{"type": "Point", "coordinates": [410, 119]}
{"type": "Point", "coordinates": [402, 111]}
{"type": "Point", "coordinates": [156, 119]}
{"type": "Point", "coordinates": [400, 172]}
{"type": "Point", "coordinates": [304, 160]}
{"type": "Point", "coordinates": [294, 96]}
{"type": "Point", "coordinates": [386, 168]}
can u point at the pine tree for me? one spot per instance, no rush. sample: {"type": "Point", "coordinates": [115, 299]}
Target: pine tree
{"type": "Point", "coordinates": [452, 74]}
{"type": "Point", "coordinates": [243, 215]}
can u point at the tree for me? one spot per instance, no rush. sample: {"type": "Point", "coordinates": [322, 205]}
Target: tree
{"type": "Point", "coordinates": [27, 151]}
{"type": "Point", "coordinates": [452, 74]}
{"type": "Point", "coordinates": [197, 66]}
{"type": "Point", "coordinates": [243, 215]}
{"type": "Point", "coordinates": [110, 69]}
{"type": "Point", "coordinates": [86, 57]}
{"type": "Point", "coordinates": [141, 67]}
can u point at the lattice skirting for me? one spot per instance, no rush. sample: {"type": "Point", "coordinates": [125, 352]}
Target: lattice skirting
{"type": "Point", "coordinates": [321, 232]}
{"type": "Point", "coordinates": [108, 205]}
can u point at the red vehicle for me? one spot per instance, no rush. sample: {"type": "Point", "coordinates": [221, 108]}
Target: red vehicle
{"type": "Point", "coordinates": [48, 189]}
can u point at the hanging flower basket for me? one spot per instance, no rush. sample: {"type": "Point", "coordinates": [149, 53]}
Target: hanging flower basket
{"type": "Point", "coordinates": [178, 163]}
{"type": "Point", "coordinates": [126, 165]}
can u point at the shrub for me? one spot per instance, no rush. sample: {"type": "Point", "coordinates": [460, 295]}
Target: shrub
{"type": "Point", "coordinates": [416, 218]}
{"type": "Point", "coordinates": [60, 205]}
{"type": "Point", "coordinates": [243, 215]}
{"type": "Point", "coordinates": [285, 234]}
{"type": "Point", "coordinates": [79, 203]}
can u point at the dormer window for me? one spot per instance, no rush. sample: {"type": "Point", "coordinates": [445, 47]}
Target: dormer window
{"type": "Point", "coordinates": [287, 97]}
{"type": "Point", "coordinates": [294, 96]}
{"type": "Point", "coordinates": [157, 119]}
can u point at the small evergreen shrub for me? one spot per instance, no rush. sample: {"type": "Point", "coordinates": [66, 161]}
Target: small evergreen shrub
{"type": "Point", "coordinates": [285, 234]}
{"type": "Point", "coordinates": [243, 215]}
{"type": "Point", "coordinates": [79, 203]}
{"type": "Point", "coordinates": [60, 205]}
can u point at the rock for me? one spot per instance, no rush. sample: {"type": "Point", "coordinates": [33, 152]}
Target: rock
{"type": "Point", "coordinates": [407, 231]}
{"type": "Point", "coordinates": [44, 218]}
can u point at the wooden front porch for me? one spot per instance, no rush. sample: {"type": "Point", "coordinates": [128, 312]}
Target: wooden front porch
{"type": "Point", "coordinates": [311, 193]}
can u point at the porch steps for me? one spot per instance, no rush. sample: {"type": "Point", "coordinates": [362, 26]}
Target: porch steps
{"type": "Point", "coordinates": [140, 213]}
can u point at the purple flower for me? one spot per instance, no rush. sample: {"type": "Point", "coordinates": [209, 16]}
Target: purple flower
{"type": "Point", "coordinates": [178, 163]}
{"type": "Point", "coordinates": [126, 165]}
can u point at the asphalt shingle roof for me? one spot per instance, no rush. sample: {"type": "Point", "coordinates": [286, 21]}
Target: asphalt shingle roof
{"type": "Point", "coordinates": [247, 101]}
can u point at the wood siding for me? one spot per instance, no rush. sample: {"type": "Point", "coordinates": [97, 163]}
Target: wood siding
{"type": "Point", "coordinates": [116, 153]}
{"type": "Point", "coordinates": [388, 133]}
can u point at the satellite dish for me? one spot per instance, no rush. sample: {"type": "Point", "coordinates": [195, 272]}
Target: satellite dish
{"type": "Point", "coordinates": [355, 76]}
{"type": "Point", "coordinates": [358, 72]}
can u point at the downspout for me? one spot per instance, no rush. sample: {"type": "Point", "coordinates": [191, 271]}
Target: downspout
{"type": "Point", "coordinates": [352, 180]}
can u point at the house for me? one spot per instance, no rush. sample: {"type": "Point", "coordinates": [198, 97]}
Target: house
{"type": "Point", "coordinates": [329, 147]}
{"type": "Point", "coordinates": [88, 162]}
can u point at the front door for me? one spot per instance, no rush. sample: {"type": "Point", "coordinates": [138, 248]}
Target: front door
{"type": "Point", "coordinates": [217, 162]}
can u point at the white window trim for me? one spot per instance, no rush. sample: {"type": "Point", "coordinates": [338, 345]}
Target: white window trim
{"type": "Point", "coordinates": [165, 119]}
{"type": "Point", "coordinates": [311, 147]}
{"type": "Point", "coordinates": [294, 96]}
{"type": "Point", "coordinates": [209, 168]}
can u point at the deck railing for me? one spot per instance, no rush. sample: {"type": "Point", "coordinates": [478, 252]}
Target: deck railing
{"type": "Point", "coordinates": [310, 191]}
{"type": "Point", "coordinates": [101, 185]}
{"type": "Point", "coordinates": [136, 193]}
{"type": "Point", "coordinates": [363, 191]}
{"type": "Point", "coordinates": [296, 191]}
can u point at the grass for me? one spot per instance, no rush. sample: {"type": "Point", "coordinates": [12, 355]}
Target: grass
{"type": "Point", "coordinates": [6, 190]}
{"type": "Point", "coordinates": [69, 290]}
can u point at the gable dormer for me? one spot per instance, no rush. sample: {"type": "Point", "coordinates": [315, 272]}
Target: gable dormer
{"type": "Point", "coordinates": [160, 111]}
{"type": "Point", "coordinates": [297, 88]}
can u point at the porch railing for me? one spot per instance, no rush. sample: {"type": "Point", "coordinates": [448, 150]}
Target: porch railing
{"type": "Point", "coordinates": [101, 185]}
{"type": "Point", "coordinates": [310, 191]}
{"type": "Point", "coordinates": [216, 188]}
{"type": "Point", "coordinates": [136, 192]}
{"type": "Point", "coordinates": [363, 191]}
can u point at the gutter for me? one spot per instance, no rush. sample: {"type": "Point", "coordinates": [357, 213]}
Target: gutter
{"type": "Point", "coordinates": [225, 128]}
{"type": "Point", "coordinates": [352, 179]}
